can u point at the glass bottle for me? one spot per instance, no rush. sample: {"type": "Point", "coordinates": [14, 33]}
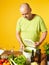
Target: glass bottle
{"type": "Point", "coordinates": [38, 54]}
{"type": "Point", "coordinates": [32, 56]}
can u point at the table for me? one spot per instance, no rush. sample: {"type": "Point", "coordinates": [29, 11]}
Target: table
{"type": "Point", "coordinates": [43, 56]}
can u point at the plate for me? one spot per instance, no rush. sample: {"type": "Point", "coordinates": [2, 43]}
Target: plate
{"type": "Point", "coordinates": [29, 43]}
{"type": "Point", "coordinates": [1, 51]}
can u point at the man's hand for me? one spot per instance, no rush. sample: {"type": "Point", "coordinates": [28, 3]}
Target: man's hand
{"type": "Point", "coordinates": [20, 41]}
{"type": "Point", "coordinates": [44, 34]}
{"type": "Point", "coordinates": [37, 44]}
{"type": "Point", "coordinates": [21, 47]}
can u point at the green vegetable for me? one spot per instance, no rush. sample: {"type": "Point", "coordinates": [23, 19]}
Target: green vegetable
{"type": "Point", "coordinates": [20, 60]}
{"type": "Point", "coordinates": [29, 49]}
{"type": "Point", "coordinates": [11, 56]}
{"type": "Point", "coordinates": [13, 61]}
{"type": "Point", "coordinates": [46, 47]}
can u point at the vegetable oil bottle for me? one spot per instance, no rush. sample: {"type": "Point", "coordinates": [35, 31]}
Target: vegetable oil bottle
{"type": "Point", "coordinates": [38, 54]}
{"type": "Point", "coordinates": [33, 62]}
{"type": "Point", "coordinates": [32, 56]}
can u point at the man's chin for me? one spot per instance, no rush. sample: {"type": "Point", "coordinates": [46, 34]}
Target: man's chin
{"type": "Point", "coordinates": [26, 17]}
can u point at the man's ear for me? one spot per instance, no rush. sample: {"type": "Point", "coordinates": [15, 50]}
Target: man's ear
{"type": "Point", "coordinates": [30, 9]}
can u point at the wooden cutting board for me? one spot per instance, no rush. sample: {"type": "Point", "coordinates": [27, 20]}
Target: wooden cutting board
{"type": "Point", "coordinates": [16, 53]}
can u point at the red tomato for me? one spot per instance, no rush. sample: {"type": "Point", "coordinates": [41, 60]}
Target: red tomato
{"type": "Point", "coordinates": [2, 60]}
{"type": "Point", "coordinates": [0, 63]}
{"type": "Point", "coordinates": [6, 61]}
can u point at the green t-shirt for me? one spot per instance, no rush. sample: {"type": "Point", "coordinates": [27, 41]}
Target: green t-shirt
{"type": "Point", "coordinates": [30, 29]}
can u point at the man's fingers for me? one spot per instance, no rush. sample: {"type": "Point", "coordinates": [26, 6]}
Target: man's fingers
{"type": "Point", "coordinates": [22, 48]}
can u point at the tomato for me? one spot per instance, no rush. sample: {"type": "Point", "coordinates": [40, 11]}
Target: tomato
{"type": "Point", "coordinates": [1, 64]}
{"type": "Point", "coordinates": [6, 61]}
{"type": "Point", "coordinates": [2, 60]}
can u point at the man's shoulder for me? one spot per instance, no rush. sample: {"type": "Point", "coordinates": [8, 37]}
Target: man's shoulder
{"type": "Point", "coordinates": [20, 20]}
{"type": "Point", "coordinates": [38, 16]}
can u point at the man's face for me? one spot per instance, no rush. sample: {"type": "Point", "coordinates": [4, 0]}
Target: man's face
{"type": "Point", "coordinates": [25, 12]}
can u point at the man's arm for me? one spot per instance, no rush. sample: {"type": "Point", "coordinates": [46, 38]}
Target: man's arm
{"type": "Point", "coordinates": [20, 41]}
{"type": "Point", "coordinates": [43, 36]}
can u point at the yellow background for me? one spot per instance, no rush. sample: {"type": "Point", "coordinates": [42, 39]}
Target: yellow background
{"type": "Point", "coordinates": [9, 14]}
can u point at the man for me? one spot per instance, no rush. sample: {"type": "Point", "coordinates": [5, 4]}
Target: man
{"type": "Point", "coordinates": [29, 27]}
{"type": "Point", "coordinates": [25, 25]}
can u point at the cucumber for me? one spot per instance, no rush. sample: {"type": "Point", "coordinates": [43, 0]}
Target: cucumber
{"type": "Point", "coordinates": [29, 49]}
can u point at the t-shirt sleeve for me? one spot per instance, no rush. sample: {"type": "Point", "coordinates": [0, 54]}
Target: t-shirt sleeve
{"type": "Point", "coordinates": [18, 26]}
{"type": "Point", "coordinates": [42, 25]}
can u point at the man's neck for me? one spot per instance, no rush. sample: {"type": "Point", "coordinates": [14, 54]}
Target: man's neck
{"type": "Point", "coordinates": [31, 16]}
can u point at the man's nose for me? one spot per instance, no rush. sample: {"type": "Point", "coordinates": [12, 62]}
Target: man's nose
{"type": "Point", "coordinates": [24, 15]}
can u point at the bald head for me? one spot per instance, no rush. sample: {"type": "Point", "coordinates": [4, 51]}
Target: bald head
{"type": "Point", "coordinates": [25, 10]}
{"type": "Point", "coordinates": [25, 7]}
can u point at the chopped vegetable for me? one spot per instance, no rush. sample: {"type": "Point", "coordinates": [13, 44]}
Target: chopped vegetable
{"type": "Point", "coordinates": [29, 49]}
{"type": "Point", "coordinates": [11, 56]}
{"type": "Point", "coordinates": [13, 61]}
{"type": "Point", "coordinates": [20, 60]}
